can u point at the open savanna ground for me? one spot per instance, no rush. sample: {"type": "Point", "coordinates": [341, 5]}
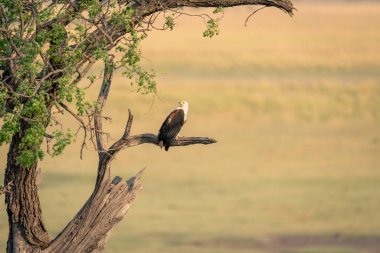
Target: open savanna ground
{"type": "Point", "coordinates": [295, 106]}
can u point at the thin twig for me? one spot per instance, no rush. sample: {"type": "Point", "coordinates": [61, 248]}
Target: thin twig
{"type": "Point", "coordinates": [83, 125]}
{"type": "Point", "coordinates": [253, 13]}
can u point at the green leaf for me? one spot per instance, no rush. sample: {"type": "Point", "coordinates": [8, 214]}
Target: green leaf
{"type": "Point", "coordinates": [212, 28]}
{"type": "Point", "coordinates": [62, 140]}
{"type": "Point", "coordinates": [169, 22]}
{"type": "Point", "coordinates": [218, 10]}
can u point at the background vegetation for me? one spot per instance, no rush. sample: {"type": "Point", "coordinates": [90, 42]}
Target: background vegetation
{"type": "Point", "coordinates": [295, 106]}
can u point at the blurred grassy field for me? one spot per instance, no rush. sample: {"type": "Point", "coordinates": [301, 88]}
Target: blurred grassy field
{"type": "Point", "coordinates": [295, 106]}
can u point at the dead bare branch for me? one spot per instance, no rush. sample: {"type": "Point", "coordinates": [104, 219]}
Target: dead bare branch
{"type": "Point", "coordinates": [127, 141]}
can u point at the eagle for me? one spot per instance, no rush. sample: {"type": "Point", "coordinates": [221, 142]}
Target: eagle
{"type": "Point", "coordinates": [172, 125]}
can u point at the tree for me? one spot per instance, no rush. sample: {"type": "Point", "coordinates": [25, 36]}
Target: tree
{"type": "Point", "coordinates": [46, 48]}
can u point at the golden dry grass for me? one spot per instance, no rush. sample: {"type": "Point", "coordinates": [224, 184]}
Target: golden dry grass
{"type": "Point", "coordinates": [295, 106]}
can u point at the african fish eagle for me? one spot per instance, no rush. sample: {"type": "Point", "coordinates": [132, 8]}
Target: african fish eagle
{"type": "Point", "coordinates": [172, 125]}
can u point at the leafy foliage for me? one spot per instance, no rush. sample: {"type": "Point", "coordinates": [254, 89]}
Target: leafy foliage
{"type": "Point", "coordinates": [62, 140]}
{"type": "Point", "coordinates": [212, 28]}
{"type": "Point", "coordinates": [44, 51]}
{"type": "Point", "coordinates": [169, 22]}
{"type": "Point", "coordinates": [218, 10]}
{"type": "Point", "coordinates": [47, 63]}
{"type": "Point", "coordinates": [10, 126]}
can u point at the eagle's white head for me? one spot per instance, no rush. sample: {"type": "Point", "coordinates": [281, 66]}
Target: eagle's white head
{"type": "Point", "coordinates": [184, 105]}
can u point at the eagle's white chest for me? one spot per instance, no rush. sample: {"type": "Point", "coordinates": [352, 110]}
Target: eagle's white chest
{"type": "Point", "coordinates": [185, 108]}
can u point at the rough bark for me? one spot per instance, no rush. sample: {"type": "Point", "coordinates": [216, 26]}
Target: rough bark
{"type": "Point", "coordinates": [27, 231]}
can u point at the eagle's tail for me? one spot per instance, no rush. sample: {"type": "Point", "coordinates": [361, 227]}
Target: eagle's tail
{"type": "Point", "coordinates": [161, 144]}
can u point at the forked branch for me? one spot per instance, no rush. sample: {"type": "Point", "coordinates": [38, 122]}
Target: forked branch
{"type": "Point", "coordinates": [110, 199]}
{"type": "Point", "coordinates": [126, 140]}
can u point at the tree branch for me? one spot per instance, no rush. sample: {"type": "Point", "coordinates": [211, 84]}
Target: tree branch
{"type": "Point", "coordinates": [153, 6]}
{"type": "Point", "coordinates": [102, 98]}
{"type": "Point", "coordinates": [81, 122]}
{"type": "Point", "coordinates": [110, 200]}
{"type": "Point", "coordinates": [127, 141]}
{"type": "Point", "coordinates": [150, 138]}
{"type": "Point", "coordinates": [284, 5]}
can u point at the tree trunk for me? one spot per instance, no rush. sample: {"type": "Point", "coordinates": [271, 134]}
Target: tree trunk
{"type": "Point", "coordinates": [27, 231]}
